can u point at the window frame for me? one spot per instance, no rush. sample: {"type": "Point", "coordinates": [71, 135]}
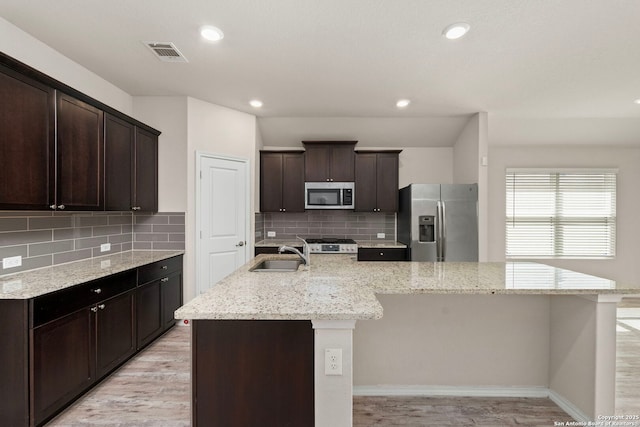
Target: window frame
{"type": "Point", "coordinates": [557, 221]}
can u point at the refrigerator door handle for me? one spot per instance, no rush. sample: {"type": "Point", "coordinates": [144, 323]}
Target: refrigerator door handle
{"type": "Point", "coordinates": [443, 236]}
{"type": "Point", "coordinates": [439, 231]}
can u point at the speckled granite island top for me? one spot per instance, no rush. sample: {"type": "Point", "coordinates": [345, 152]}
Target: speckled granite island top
{"type": "Point", "coordinates": [33, 283]}
{"type": "Point", "coordinates": [337, 287]}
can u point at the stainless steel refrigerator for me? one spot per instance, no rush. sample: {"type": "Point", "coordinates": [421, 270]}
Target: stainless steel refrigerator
{"type": "Point", "coordinates": [439, 222]}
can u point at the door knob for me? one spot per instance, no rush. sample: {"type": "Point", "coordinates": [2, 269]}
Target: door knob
{"type": "Point", "coordinates": [240, 244]}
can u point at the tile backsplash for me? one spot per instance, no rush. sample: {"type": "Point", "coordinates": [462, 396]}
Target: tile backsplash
{"type": "Point", "coordinates": [49, 238]}
{"type": "Point", "coordinates": [337, 224]}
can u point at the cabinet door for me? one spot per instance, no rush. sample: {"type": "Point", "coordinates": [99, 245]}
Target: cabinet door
{"type": "Point", "coordinates": [148, 312]}
{"type": "Point", "coordinates": [342, 163]}
{"type": "Point", "coordinates": [316, 165]}
{"type": "Point", "coordinates": [27, 143]}
{"type": "Point", "coordinates": [80, 154]}
{"type": "Point", "coordinates": [293, 182]}
{"type": "Point", "coordinates": [146, 171]}
{"type": "Point", "coordinates": [365, 182]}
{"type": "Point", "coordinates": [115, 332]}
{"type": "Point", "coordinates": [119, 138]}
{"type": "Point", "coordinates": [387, 182]}
{"type": "Point", "coordinates": [271, 182]}
{"type": "Point", "coordinates": [62, 362]}
{"type": "Point", "coordinates": [171, 298]}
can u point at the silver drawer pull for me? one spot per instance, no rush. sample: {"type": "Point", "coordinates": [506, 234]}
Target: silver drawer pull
{"type": "Point", "coordinates": [164, 267]}
{"type": "Point", "coordinates": [164, 279]}
{"type": "Point", "coordinates": [101, 306]}
{"type": "Point", "coordinates": [382, 253]}
{"type": "Point", "coordinates": [94, 309]}
{"type": "Point", "coordinates": [97, 291]}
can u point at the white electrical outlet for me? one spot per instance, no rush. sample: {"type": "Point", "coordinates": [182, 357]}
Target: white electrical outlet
{"type": "Point", "coordinates": [381, 235]}
{"type": "Point", "coordinates": [105, 247]}
{"type": "Point", "coordinates": [271, 234]}
{"type": "Point", "coordinates": [333, 361]}
{"type": "Point", "coordinates": [12, 262]}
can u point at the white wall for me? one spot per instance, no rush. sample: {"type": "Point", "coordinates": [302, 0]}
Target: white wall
{"type": "Point", "coordinates": [466, 153]}
{"type": "Point", "coordinates": [625, 266]}
{"type": "Point", "coordinates": [25, 48]}
{"type": "Point", "coordinates": [215, 130]}
{"type": "Point", "coordinates": [168, 114]}
{"type": "Point", "coordinates": [454, 340]}
{"type": "Point", "coordinates": [425, 166]}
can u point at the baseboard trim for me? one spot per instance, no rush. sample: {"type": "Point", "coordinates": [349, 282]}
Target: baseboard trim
{"type": "Point", "coordinates": [417, 390]}
{"type": "Point", "coordinates": [568, 407]}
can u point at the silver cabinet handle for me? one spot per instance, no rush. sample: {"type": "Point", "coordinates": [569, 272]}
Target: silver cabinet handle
{"type": "Point", "coordinates": [61, 207]}
{"type": "Point", "coordinates": [94, 309]}
{"type": "Point", "coordinates": [97, 291]}
{"type": "Point", "coordinates": [136, 208]}
{"type": "Point", "coordinates": [101, 306]}
{"type": "Point", "coordinates": [164, 279]}
{"type": "Point", "coordinates": [52, 206]}
{"type": "Point", "coordinates": [381, 253]}
{"type": "Point", "coordinates": [164, 267]}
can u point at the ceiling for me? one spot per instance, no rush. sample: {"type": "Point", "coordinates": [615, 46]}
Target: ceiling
{"type": "Point", "coordinates": [349, 61]}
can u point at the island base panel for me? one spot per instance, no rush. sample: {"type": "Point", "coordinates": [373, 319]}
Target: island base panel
{"type": "Point", "coordinates": [249, 373]}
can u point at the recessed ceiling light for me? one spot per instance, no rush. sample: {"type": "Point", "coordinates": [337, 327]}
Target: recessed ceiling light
{"type": "Point", "coordinates": [455, 31]}
{"type": "Point", "coordinates": [403, 103]}
{"type": "Point", "coordinates": [213, 34]}
{"type": "Point", "coordinates": [637, 101]}
{"type": "Point", "coordinates": [255, 103]}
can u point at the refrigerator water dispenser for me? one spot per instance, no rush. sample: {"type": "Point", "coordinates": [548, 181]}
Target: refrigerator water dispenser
{"type": "Point", "coordinates": [426, 225]}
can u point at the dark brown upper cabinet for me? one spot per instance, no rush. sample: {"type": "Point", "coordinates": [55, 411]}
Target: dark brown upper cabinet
{"type": "Point", "coordinates": [52, 148]}
{"type": "Point", "coordinates": [146, 171]}
{"type": "Point", "coordinates": [282, 181]}
{"type": "Point", "coordinates": [80, 155]}
{"type": "Point", "coordinates": [131, 167]}
{"type": "Point", "coordinates": [376, 182]}
{"type": "Point", "coordinates": [329, 161]}
{"type": "Point", "coordinates": [27, 142]}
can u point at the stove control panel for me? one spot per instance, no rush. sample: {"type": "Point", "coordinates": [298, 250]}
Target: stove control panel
{"type": "Point", "coordinates": [333, 248]}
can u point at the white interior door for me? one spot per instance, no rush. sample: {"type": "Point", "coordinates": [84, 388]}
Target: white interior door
{"type": "Point", "coordinates": [222, 219]}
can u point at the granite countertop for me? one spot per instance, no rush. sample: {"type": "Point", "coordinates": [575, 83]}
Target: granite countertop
{"type": "Point", "coordinates": [337, 287]}
{"type": "Point", "coordinates": [33, 283]}
{"type": "Point", "coordinates": [361, 243]}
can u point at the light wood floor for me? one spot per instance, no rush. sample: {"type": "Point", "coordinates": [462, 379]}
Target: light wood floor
{"type": "Point", "coordinates": [153, 390]}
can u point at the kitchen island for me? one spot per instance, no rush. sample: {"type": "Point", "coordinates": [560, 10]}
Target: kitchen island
{"type": "Point", "coordinates": [571, 318]}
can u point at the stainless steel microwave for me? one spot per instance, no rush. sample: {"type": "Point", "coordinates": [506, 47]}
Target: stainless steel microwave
{"type": "Point", "coordinates": [329, 195]}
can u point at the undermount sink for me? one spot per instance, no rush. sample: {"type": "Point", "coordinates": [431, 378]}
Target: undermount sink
{"type": "Point", "coordinates": [277, 265]}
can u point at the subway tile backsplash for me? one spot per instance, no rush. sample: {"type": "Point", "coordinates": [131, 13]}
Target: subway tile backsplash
{"type": "Point", "coordinates": [49, 238]}
{"type": "Point", "coordinates": [336, 224]}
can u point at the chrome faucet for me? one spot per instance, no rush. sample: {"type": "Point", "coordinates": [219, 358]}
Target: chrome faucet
{"type": "Point", "coordinates": [304, 255]}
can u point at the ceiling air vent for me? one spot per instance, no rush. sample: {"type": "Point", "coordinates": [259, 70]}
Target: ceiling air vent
{"type": "Point", "coordinates": [166, 51]}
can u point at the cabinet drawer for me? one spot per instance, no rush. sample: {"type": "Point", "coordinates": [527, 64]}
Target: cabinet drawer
{"type": "Point", "coordinates": [57, 304]}
{"type": "Point", "coordinates": [159, 269]}
{"type": "Point", "coordinates": [382, 254]}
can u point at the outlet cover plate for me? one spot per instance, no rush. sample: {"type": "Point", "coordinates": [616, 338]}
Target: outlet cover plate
{"type": "Point", "coordinates": [271, 234]}
{"type": "Point", "coordinates": [381, 235]}
{"type": "Point", "coordinates": [105, 247]}
{"type": "Point", "coordinates": [333, 361]}
{"type": "Point", "coordinates": [12, 262]}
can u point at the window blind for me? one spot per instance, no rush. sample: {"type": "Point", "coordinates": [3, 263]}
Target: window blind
{"type": "Point", "coordinates": [560, 214]}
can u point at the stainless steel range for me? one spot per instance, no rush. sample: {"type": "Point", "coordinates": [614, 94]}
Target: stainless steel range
{"type": "Point", "coordinates": [332, 246]}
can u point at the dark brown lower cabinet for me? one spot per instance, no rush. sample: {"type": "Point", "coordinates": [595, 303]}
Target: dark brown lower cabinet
{"type": "Point", "coordinates": [252, 373]}
{"type": "Point", "coordinates": [149, 313]}
{"type": "Point", "coordinates": [63, 362]}
{"type": "Point", "coordinates": [156, 302]}
{"type": "Point", "coordinates": [382, 254]}
{"type": "Point", "coordinates": [56, 346]}
{"type": "Point", "coordinates": [115, 332]}
{"type": "Point", "coordinates": [71, 353]}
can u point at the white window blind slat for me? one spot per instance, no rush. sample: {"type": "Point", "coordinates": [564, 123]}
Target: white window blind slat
{"type": "Point", "coordinates": [560, 214]}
